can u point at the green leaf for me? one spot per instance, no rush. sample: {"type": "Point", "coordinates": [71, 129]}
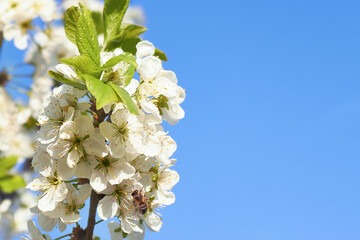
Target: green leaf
{"type": "Point", "coordinates": [60, 78]}
{"type": "Point", "coordinates": [71, 18]}
{"type": "Point", "coordinates": [7, 163]}
{"type": "Point", "coordinates": [126, 98]}
{"type": "Point", "coordinates": [11, 183]}
{"type": "Point", "coordinates": [131, 30]}
{"type": "Point", "coordinates": [82, 64]}
{"type": "Point", "coordinates": [129, 58]}
{"type": "Point", "coordinates": [128, 31]}
{"type": "Point", "coordinates": [113, 14]}
{"type": "Point", "coordinates": [129, 45]}
{"type": "Point", "coordinates": [97, 17]}
{"type": "Point", "coordinates": [160, 54]}
{"type": "Point", "coordinates": [103, 93]}
{"type": "Point", "coordinates": [86, 36]}
{"type": "Point", "coordinates": [122, 75]}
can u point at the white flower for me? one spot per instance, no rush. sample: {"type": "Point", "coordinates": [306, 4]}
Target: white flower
{"type": "Point", "coordinates": [18, 19]}
{"type": "Point", "coordinates": [46, 9]}
{"type": "Point", "coordinates": [118, 198]}
{"type": "Point", "coordinates": [51, 184]}
{"type": "Point", "coordinates": [144, 49]}
{"type": "Point", "coordinates": [47, 223]}
{"type": "Point", "coordinates": [40, 91]}
{"type": "Point", "coordinates": [166, 180]}
{"type": "Point", "coordinates": [93, 5]}
{"type": "Point", "coordinates": [68, 211]}
{"type": "Point", "coordinates": [35, 233]}
{"type": "Point", "coordinates": [159, 93]}
{"type": "Point", "coordinates": [52, 119]}
{"type": "Point", "coordinates": [167, 149]}
{"type": "Point", "coordinates": [117, 234]}
{"type": "Point", "coordinates": [134, 15]}
{"type": "Point", "coordinates": [125, 134]}
{"type": "Point", "coordinates": [110, 170]}
{"type": "Point", "coordinates": [115, 231]}
{"type": "Point", "coordinates": [68, 71]}
{"type": "Point", "coordinates": [153, 221]}
{"type": "Point", "coordinates": [77, 139]}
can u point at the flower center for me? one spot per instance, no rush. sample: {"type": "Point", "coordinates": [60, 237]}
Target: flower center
{"type": "Point", "coordinates": [122, 130]}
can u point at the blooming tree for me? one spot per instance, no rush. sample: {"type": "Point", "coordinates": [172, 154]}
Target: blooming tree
{"type": "Point", "coordinates": [99, 129]}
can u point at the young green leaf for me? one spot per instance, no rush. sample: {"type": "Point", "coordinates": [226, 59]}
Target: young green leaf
{"type": "Point", "coordinates": [103, 93]}
{"type": "Point", "coordinates": [129, 45]}
{"type": "Point", "coordinates": [160, 54]}
{"type": "Point", "coordinates": [114, 11]}
{"type": "Point", "coordinates": [126, 57]}
{"type": "Point", "coordinates": [128, 31]}
{"type": "Point", "coordinates": [82, 64]}
{"type": "Point", "coordinates": [125, 98]}
{"type": "Point", "coordinates": [86, 36]}
{"type": "Point", "coordinates": [97, 16]}
{"type": "Point", "coordinates": [71, 18]}
{"type": "Point", "coordinates": [60, 78]}
{"type": "Point", "coordinates": [7, 163]}
{"type": "Point", "coordinates": [131, 30]}
{"type": "Point", "coordinates": [11, 183]}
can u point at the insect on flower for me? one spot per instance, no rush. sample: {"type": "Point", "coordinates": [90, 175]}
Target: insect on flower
{"type": "Point", "coordinates": [140, 201]}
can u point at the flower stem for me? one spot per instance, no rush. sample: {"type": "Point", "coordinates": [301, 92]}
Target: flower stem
{"type": "Point", "coordinates": [72, 180]}
{"type": "Point", "coordinates": [94, 200]}
{"type": "Point", "coordinates": [99, 221]}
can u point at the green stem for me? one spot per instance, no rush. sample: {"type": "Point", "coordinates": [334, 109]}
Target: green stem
{"type": "Point", "coordinates": [99, 221]}
{"type": "Point", "coordinates": [72, 180]}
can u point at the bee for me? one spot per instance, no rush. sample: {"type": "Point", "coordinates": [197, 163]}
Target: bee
{"type": "Point", "coordinates": [140, 201]}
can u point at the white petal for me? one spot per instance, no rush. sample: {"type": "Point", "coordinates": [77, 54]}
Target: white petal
{"type": "Point", "coordinates": [70, 218]}
{"type": "Point", "coordinates": [48, 201]}
{"type": "Point", "coordinates": [107, 130]}
{"type": "Point", "coordinates": [108, 207]}
{"type": "Point", "coordinates": [84, 193]}
{"type": "Point", "coordinates": [66, 70]}
{"type": "Point", "coordinates": [98, 180]}
{"type": "Point", "coordinates": [37, 184]}
{"type": "Point", "coordinates": [61, 192]}
{"type": "Point", "coordinates": [119, 171]}
{"type": "Point", "coordinates": [153, 222]}
{"type": "Point", "coordinates": [144, 49]}
{"type": "Point", "coordinates": [164, 197]}
{"type": "Point", "coordinates": [46, 223]}
{"type": "Point", "coordinates": [34, 231]}
{"type": "Point", "coordinates": [149, 68]}
{"type": "Point", "coordinates": [118, 235]}
{"type": "Point", "coordinates": [73, 158]}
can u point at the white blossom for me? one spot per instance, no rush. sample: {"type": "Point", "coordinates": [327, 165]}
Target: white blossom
{"type": "Point", "coordinates": [77, 139]}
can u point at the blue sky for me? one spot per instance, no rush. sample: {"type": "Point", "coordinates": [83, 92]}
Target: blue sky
{"type": "Point", "coordinates": [269, 147]}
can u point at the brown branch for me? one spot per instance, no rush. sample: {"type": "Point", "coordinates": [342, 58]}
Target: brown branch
{"type": "Point", "coordinates": [94, 200]}
{"type": "Point", "coordinates": [1, 39]}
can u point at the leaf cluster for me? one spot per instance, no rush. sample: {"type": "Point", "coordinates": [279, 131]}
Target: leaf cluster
{"type": "Point", "coordinates": [82, 28]}
{"type": "Point", "coordinates": [9, 182]}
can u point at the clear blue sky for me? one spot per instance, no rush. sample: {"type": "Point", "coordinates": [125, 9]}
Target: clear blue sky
{"type": "Point", "coordinates": [270, 145]}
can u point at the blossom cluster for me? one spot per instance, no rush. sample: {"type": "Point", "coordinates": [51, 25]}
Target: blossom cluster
{"type": "Point", "coordinates": [35, 27]}
{"type": "Point", "coordinates": [124, 158]}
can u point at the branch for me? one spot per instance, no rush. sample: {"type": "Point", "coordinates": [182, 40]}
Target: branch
{"type": "Point", "coordinates": [1, 39]}
{"type": "Point", "coordinates": [94, 200]}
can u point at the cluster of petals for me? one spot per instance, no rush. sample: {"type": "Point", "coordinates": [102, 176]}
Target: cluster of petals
{"type": "Point", "coordinates": [16, 17]}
